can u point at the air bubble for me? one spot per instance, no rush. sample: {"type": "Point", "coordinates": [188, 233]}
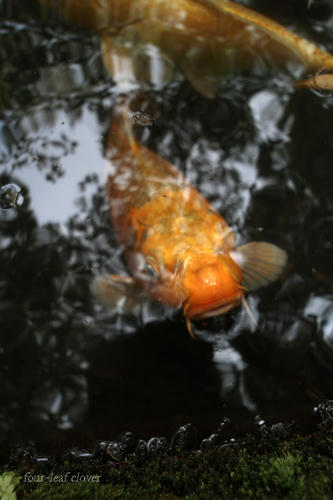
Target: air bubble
{"type": "Point", "coordinates": [10, 196]}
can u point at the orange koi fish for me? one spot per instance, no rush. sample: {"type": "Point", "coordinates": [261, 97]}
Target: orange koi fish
{"type": "Point", "coordinates": [143, 39]}
{"type": "Point", "coordinates": [178, 248]}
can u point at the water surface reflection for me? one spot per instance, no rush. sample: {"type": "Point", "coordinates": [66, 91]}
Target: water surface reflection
{"type": "Point", "coordinates": [261, 153]}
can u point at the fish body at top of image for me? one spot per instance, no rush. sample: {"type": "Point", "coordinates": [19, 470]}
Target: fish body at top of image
{"type": "Point", "coordinates": [142, 40]}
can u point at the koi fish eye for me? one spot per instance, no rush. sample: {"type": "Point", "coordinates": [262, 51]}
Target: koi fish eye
{"type": "Point", "coordinates": [151, 267]}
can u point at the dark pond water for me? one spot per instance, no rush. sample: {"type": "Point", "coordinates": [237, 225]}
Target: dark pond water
{"type": "Point", "coordinates": [262, 153]}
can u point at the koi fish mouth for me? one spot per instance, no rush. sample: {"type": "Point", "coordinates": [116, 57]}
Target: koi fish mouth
{"type": "Point", "coordinates": [201, 311]}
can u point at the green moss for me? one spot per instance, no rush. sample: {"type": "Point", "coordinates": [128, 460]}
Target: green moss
{"type": "Point", "coordinates": [8, 482]}
{"type": "Point", "coordinates": [299, 468]}
{"type": "Point", "coordinates": [86, 490]}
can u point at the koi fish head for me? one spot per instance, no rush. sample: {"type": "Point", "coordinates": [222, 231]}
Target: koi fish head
{"type": "Point", "coordinates": [211, 285]}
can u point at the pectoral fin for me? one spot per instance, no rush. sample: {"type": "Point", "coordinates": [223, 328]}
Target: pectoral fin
{"type": "Point", "coordinates": [261, 263]}
{"type": "Point", "coordinates": [121, 293]}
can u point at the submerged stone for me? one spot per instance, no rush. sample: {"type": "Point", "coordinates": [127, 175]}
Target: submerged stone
{"type": "Point", "coordinates": [184, 439]}
{"type": "Point", "coordinates": [323, 413]}
{"type": "Point", "coordinates": [119, 449]}
{"type": "Point", "coordinates": [157, 446]}
{"type": "Point", "coordinates": [140, 453]}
